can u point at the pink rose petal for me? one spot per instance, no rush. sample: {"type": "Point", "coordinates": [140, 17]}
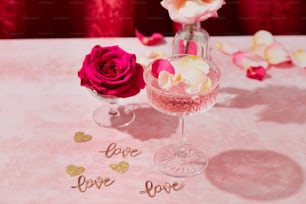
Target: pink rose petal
{"type": "Point", "coordinates": [161, 65]}
{"type": "Point", "coordinates": [257, 73]}
{"type": "Point", "coordinates": [245, 60]}
{"type": "Point", "coordinates": [154, 39]}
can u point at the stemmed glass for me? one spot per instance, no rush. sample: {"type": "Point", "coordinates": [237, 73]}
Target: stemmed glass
{"type": "Point", "coordinates": [113, 115]}
{"type": "Point", "coordinates": [181, 160]}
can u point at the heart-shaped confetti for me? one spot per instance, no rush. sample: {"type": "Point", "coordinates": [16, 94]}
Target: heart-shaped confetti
{"type": "Point", "coordinates": [74, 170]}
{"type": "Point", "coordinates": [82, 137]}
{"type": "Point", "coordinates": [120, 167]}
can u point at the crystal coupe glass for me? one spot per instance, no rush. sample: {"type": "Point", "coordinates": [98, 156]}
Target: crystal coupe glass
{"type": "Point", "coordinates": [112, 115]}
{"type": "Point", "coordinates": [181, 160]}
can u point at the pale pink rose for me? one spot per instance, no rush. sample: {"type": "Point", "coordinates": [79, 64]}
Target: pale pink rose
{"type": "Point", "coordinates": [191, 11]}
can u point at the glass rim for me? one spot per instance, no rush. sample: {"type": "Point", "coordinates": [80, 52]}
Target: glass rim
{"type": "Point", "coordinates": [211, 89]}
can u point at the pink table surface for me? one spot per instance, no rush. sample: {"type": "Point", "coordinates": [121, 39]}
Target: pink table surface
{"type": "Point", "coordinates": [255, 136]}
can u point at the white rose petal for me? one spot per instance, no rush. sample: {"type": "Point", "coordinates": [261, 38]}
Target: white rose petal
{"type": "Point", "coordinates": [191, 9]}
{"type": "Point", "coordinates": [188, 62]}
{"type": "Point", "coordinates": [165, 80]}
{"type": "Point", "coordinates": [226, 48]}
{"type": "Point", "coordinates": [276, 54]}
{"type": "Point", "coordinates": [195, 79]}
{"type": "Point", "coordinates": [263, 37]}
{"type": "Point", "coordinates": [299, 58]}
{"type": "Point", "coordinates": [259, 49]}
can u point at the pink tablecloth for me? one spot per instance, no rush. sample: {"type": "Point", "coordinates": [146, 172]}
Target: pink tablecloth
{"type": "Point", "coordinates": [255, 136]}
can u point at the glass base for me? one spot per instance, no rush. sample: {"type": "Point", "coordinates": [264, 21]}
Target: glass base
{"type": "Point", "coordinates": [105, 118]}
{"type": "Point", "coordinates": [185, 161]}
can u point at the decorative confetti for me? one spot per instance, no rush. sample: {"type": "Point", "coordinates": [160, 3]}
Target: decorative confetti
{"type": "Point", "coordinates": [82, 137]}
{"type": "Point", "coordinates": [73, 170]}
{"type": "Point", "coordinates": [120, 167]}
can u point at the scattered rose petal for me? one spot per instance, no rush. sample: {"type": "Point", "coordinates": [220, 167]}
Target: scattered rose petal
{"type": "Point", "coordinates": [150, 57]}
{"type": "Point", "coordinates": [190, 61]}
{"type": "Point", "coordinates": [154, 39]}
{"type": "Point", "coordinates": [189, 72]}
{"type": "Point", "coordinates": [259, 49]}
{"type": "Point", "coordinates": [195, 79]}
{"type": "Point", "coordinates": [263, 37]}
{"type": "Point", "coordinates": [257, 73]}
{"type": "Point", "coordinates": [226, 48]}
{"type": "Point", "coordinates": [276, 54]}
{"type": "Point", "coordinates": [161, 65]}
{"type": "Point", "coordinates": [155, 54]}
{"type": "Point", "coordinates": [299, 58]}
{"type": "Point", "coordinates": [165, 80]}
{"type": "Point", "coordinates": [264, 52]}
{"type": "Point", "coordinates": [245, 60]}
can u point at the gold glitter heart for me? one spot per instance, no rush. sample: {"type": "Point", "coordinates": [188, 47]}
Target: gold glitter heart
{"type": "Point", "coordinates": [120, 167]}
{"type": "Point", "coordinates": [74, 170]}
{"type": "Point", "coordinates": [82, 137]}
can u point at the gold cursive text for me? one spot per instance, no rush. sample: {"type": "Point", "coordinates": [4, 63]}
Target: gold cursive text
{"type": "Point", "coordinates": [152, 189]}
{"type": "Point", "coordinates": [84, 184]}
{"type": "Point", "coordinates": [113, 150]}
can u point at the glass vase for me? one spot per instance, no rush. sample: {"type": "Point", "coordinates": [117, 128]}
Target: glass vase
{"type": "Point", "coordinates": [191, 39]}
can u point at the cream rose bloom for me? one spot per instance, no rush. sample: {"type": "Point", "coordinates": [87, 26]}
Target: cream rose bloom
{"type": "Point", "coordinates": [191, 11]}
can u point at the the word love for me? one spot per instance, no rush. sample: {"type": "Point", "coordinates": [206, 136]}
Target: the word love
{"type": "Point", "coordinates": [152, 189]}
{"type": "Point", "coordinates": [114, 150]}
{"type": "Point", "coordinates": [84, 183]}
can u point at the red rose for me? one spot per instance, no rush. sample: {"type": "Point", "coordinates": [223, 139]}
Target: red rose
{"type": "Point", "coordinates": [112, 71]}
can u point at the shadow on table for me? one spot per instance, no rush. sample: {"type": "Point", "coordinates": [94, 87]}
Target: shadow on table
{"type": "Point", "coordinates": [255, 174]}
{"type": "Point", "coordinates": [280, 103]}
{"type": "Point", "coordinates": [151, 124]}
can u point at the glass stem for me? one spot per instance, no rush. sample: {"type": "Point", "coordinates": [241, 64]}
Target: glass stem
{"type": "Point", "coordinates": [190, 37]}
{"type": "Point", "coordinates": [182, 149]}
{"type": "Point", "coordinates": [113, 111]}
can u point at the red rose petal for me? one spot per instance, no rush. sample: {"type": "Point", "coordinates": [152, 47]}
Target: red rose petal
{"type": "Point", "coordinates": [256, 73]}
{"type": "Point", "coordinates": [160, 65]}
{"type": "Point", "coordinates": [154, 39]}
